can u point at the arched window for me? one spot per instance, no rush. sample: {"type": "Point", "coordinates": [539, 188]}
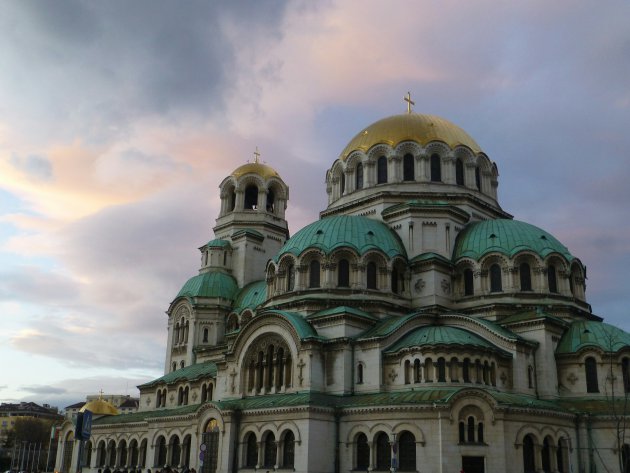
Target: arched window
{"type": "Point", "coordinates": [205, 335]}
{"type": "Point", "coordinates": [469, 286]}
{"type": "Point", "coordinates": [359, 176]}
{"type": "Point", "coordinates": [478, 178]}
{"type": "Point", "coordinates": [270, 451]}
{"type": "Point", "coordinates": [551, 279]}
{"type": "Point", "coordinates": [343, 182]}
{"type": "Point", "coordinates": [417, 371]}
{"type": "Point", "coordinates": [441, 369]}
{"type": "Point", "coordinates": [590, 366]}
{"type": "Point", "coordinates": [288, 450]}
{"type": "Point", "coordinates": [176, 450]}
{"type": "Point", "coordinates": [407, 372]}
{"type": "Point", "coordinates": [371, 275]}
{"type": "Point", "coordinates": [436, 168]}
{"type": "Point", "coordinates": [459, 172]}
{"type": "Point", "coordinates": [408, 168]}
{"type": "Point", "coordinates": [251, 458]}
{"type": "Point", "coordinates": [480, 432]}
{"type": "Point", "coordinates": [204, 393]}
{"type": "Point", "coordinates": [546, 456]}
{"type": "Point", "coordinates": [528, 455]}
{"type": "Point", "coordinates": [383, 452]}
{"type": "Point", "coordinates": [381, 170]}
{"type": "Point", "coordinates": [174, 366]}
{"type": "Point", "coordinates": [466, 370]}
{"type": "Point", "coordinates": [232, 200]}
{"type": "Point", "coordinates": [251, 197]}
{"type": "Point", "coordinates": [314, 271]}
{"type": "Point", "coordinates": [470, 432]}
{"type": "Point", "coordinates": [359, 373]}
{"type": "Point", "coordinates": [290, 277]}
{"type": "Point", "coordinates": [462, 432]}
{"type": "Point", "coordinates": [406, 452]}
{"type": "Point", "coordinates": [495, 278]}
{"type": "Point", "coordinates": [271, 200]}
{"type": "Point", "coordinates": [560, 457]}
{"type": "Point", "coordinates": [161, 451]}
{"type": "Point", "coordinates": [363, 453]}
{"type": "Point", "coordinates": [525, 274]}
{"type": "Point", "coordinates": [343, 275]}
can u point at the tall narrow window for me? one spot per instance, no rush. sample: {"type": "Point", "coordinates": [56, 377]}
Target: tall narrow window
{"type": "Point", "coordinates": [525, 274]}
{"type": "Point", "coordinates": [436, 168]}
{"type": "Point", "coordinates": [478, 178]}
{"type": "Point", "coordinates": [408, 168]}
{"type": "Point", "coordinates": [270, 451]}
{"type": "Point", "coordinates": [343, 183]}
{"type": "Point", "coordinates": [314, 274]}
{"type": "Point", "coordinates": [551, 279]}
{"type": "Point", "coordinates": [407, 452]}
{"type": "Point", "coordinates": [290, 277]}
{"type": "Point", "coordinates": [395, 281]}
{"type": "Point", "coordinates": [470, 435]}
{"type": "Point", "coordinates": [371, 275]}
{"type": "Point", "coordinates": [529, 465]}
{"type": "Point", "coordinates": [359, 373]}
{"type": "Point", "coordinates": [383, 452]}
{"type": "Point", "coordinates": [288, 450]}
{"type": "Point", "coordinates": [441, 369]}
{"type": "Point", "coordinates": [625, 367]}
{"type": "Point", "coordinates": [343, 275]}
{"type": "Point", "coordinates": [459, 172]}
{"type": "Point", "coordinates": [545, 455]}
{"type": "Point", "coordinates": [252, 451]}
{"type": "Point", "coordinates": [469, 287]}
{"type": "Point", "coordinates": [363, 452]}
{"type": "Point", "coordinates": [381, 167]}
{"type": "Point", "coordinates": [466, 370]}
{"type": "Point", "coordinates": [590, 366]}
{"type": "Point", "coordinates": [359, 176]}
{"type": "Point", "coordinates": [495, 278]}
{"type": "Point", "coordinates": [271, 200]}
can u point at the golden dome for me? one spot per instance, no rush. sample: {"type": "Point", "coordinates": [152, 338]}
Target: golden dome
{"type": "Point", "coordinates": [410, 127]}
{"type": "Point", "coordinates": [262, 170]}
{"type": "Point", "coordinates": [100, 407]}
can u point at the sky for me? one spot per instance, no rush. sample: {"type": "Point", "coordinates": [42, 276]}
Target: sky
{"type": "Point", "coordinates": [118, 121]}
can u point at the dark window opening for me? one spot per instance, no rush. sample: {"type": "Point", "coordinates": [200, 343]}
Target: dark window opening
{"type": "Point", "coordinates": [251, 198]}
{"type": "Point", "coordinates": [525, 275]}
{"type": "Point", "coordinates": [371, 275]}
{"type": "Point", "coordinates": [314, 274]}
{"type": "Point", "coordinates": [469, 286]}
{"type": "Point", "coordinates": [590, 366]}
{"type": "Point", "coordinates": [459, 172]}
{"type": "Point", "coordinates": [408, 168]}
{"type": "Point", "coordinates": [383, 452]}
{"type": "Point", "coordinates": [271, 200]}
{"type": "Point", "coordinates": [359, 176]}
{"type": "Point", "coordinates": [363, 452]}
{"type": "Point", "coordinates": [495, 278]}
{"type": "Point", "coordinates": [436, 168]}
{"type": "Point", "coordinates": [381, 175]}
{"type": "Point", "coordinates": [552, 279]}
{"type": "Point", "coordinates": [343, 275]}
{"type": "Point", "coordinates": [290, 277]}
{"type": "Point", "coordinates": [478, 178]}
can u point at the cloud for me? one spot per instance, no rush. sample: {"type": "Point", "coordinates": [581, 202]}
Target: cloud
{"type": "Point", "coordinates": [43, 390]}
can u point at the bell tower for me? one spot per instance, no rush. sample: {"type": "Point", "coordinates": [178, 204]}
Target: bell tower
{"type": "Point", "coordinates": [252, 217]}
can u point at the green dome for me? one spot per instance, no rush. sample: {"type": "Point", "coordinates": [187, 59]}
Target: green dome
{"type": "Point", "coordinates": [359, 233]}
{"type": "Point", "coordinates": [508, 237]}
{"type": "Point", "coordinates": [213, 284]}
{"type": "Point", "coordinates": [594, 334]}
{"type": "Point", "coordinates": [439, 335]}
{"type": "Point", "coordinates": [218, 243]}
{"type": "Point", "coordinates": [251, 296]}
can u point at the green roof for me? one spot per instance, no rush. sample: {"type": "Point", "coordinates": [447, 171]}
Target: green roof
{"type": "Point", "coordinates": [248, 231]}
{"type": "Point", "coordinates": [188, 373]}
{"type": "Point", "coordinates": [440, 335]}
{"type": "Point", "coordinates": [212, 284]}
{"type": "Point", "coordinates": [507, 237]}
{"type": "Point", "coordinates": [530, 315]}
{"type": "Point", "coordinates": [589, 333]}
{"type": "Point", "coordinates": [342, 310]}
{"type": "Point", "coordinates": [299, 323]}
{"type": "Point", "coordinates": [430, 256]}
{"type": "Point", "coordinates": [387, 326]}
{"type": "Point", "coordinates": [362, 234]}
{"type": "Point", "coordinates": [251, 296]}
{"type": "Point", "coordinates": [145, 415]}
{"type": "Point", "coordinates": [218, 243]}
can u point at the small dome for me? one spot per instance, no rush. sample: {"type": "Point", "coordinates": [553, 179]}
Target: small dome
{"type": "Point", "coordinates": [251, 296]}
{"type": "Point", "coordinates": [360, 233]}
{"type": "Point", "coordinates": [212, 284]}
{"type": "Point", "coordinates": [100, 407]}
{"type": "Point", "coordinates": [590, 333]}
{"type": "Point", "coordinates": [410, 127]}
{"type": "Point", "coordinates": [262, 170]}
{"type": "Point", "coordinates": [507, 237]}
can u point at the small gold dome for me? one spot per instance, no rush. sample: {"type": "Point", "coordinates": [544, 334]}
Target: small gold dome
{"type": "Point", "coordinates": [100, 407]}
{"type": "Point", "coordinates": [410, 127]}
{"type": "Point", "coordinates": [262, 170]}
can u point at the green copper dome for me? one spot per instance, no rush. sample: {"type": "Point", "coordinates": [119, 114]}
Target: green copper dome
{"type": "Point", "coordinates": [440, 335]}
{"type": "Point", "coordinates": [508, 237]}
{"type": "Point", "coordinates": [213, 284]}
{"type": "Point", "coordinates": [590, 333]}
{"type": "Point", "coordinates": [359, 233]}
{"type": "Point", "coordinates": [251, 296]}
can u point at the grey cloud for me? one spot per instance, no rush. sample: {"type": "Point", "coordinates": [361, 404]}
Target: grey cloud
{"type": "Point", "coordinates": [34, 165]}
{"type": "Point", "coordinates": [45, 390]}
{"type": "Point", "coordinates": [21, 282]}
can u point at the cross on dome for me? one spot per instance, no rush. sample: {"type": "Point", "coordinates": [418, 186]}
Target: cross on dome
{"type": "Point", "coordinates": [256, 155]}
{"type": "Point", "coordinates": [407, 98]}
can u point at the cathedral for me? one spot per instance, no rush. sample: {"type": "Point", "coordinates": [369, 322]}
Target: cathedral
{"type": "Point", "coordinates": [415, 327]}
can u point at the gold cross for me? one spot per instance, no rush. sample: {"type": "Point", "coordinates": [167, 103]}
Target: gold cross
{"type": "Point", "coordinates": [257, 155]}
{"type": "Point", "coordinates": [407, 98]}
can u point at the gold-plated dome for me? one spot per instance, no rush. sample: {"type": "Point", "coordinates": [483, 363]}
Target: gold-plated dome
{"type": "Point", "coordinates": [256, 168]}
{"type": "Point", "coordinates": [410, 127]}
{"type": "Point", "coordinates": [100, 407]}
